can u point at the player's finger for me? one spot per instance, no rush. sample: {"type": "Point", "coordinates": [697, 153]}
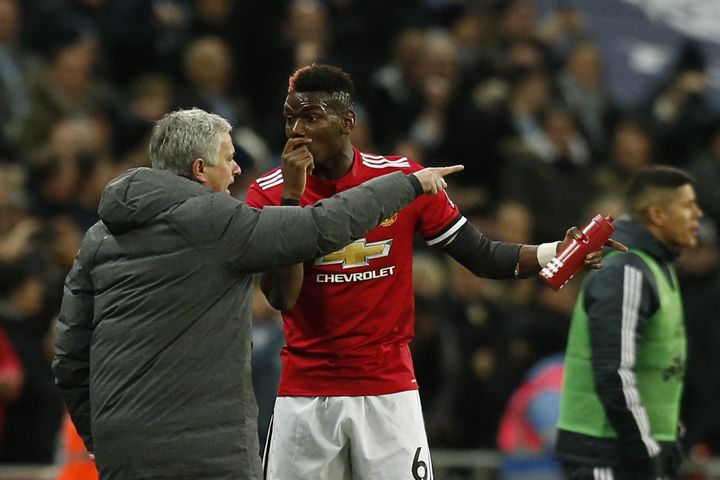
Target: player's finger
{"type": "Point", "coordinates": [294, 142]}
{"type": "Point", "coordinates": [593, 258]}
{"type": "Point", "coordinates": [301, 156]}
{"type": "Point", "coordinates": [616, 245]}
{"type": "Point", "coordinates": [574, 232]}
{"type": "Point", "coordinates": [442, 171]}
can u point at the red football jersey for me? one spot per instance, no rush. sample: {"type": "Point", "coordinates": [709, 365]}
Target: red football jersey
{"type": "Point", "coordinates": [350, 329]}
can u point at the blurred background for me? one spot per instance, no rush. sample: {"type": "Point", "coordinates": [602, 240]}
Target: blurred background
{"type": "Point", "coordinates": [550, 105]}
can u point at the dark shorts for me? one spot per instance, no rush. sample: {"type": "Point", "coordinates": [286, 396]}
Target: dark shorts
{"type": "Point", "coordinates": [583, 472]}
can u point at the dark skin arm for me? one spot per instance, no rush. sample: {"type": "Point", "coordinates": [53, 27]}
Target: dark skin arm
{"type": "Point", "coordinates": [282, 285]}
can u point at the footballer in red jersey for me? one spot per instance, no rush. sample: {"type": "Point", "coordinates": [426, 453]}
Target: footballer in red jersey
{"type": "Point", "coordinates": [348, 405]}
{"type": "Point", "coordinates": [349, 331]}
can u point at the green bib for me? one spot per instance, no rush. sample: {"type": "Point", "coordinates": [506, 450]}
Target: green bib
{"type": "Point", "coordinates": [659, 367]}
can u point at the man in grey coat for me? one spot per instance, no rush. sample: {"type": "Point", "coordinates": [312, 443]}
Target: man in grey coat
{"type": "Point", "coordinates": [152, 349]}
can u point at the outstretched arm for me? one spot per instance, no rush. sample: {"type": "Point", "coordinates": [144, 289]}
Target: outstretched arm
{"type": "Point", "coordinates": [257, 240]}
{"type": "Point", "coordinates": [493, 259]}
{"type": "Point", "coordinates": [480, 255]}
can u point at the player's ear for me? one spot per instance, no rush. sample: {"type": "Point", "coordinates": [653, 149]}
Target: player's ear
{"type": "Point", "coordinates": [348, 122]}
{"type": "Point", "coordinates": [198, 170]}
{"type": "Point", "coordinates": [656, 215]}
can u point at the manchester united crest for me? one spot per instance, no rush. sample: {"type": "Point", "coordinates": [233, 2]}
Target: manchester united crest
{"type": "Point", "coordinates": [389, 221]}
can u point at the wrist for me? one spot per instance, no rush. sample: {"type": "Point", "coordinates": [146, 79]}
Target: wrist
{"type": "Point", "coordinates": [289, 202]}
{"type": "Point", "coordinates": [417, 185]}
{"type": "Point", "coordinates": [546, 251]}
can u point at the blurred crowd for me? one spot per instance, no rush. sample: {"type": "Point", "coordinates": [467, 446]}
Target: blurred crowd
{"type": "Point", "coordinates": [520, 100]}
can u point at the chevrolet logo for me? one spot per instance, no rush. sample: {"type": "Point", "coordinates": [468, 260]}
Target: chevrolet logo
{"type": "Point", "coordinates": [357, 254]}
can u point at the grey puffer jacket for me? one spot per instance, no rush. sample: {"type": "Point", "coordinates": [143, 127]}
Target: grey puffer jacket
{"type": "Point", "coordinates": [153, 339]}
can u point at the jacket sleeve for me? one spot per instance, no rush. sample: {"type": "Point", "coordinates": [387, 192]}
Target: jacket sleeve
{"type": "Point", "coordinates": [71, 365]}
{"type": "Point", "coordinates": [619, 300]}
{"type": "Point", "coordinates": [256, 240]}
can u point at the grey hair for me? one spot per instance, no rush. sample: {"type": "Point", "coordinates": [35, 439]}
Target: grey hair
{"type": "Point", "coordinates": [182, 136]}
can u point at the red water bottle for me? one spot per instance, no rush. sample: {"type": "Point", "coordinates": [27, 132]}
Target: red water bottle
{"type": "Point", "coordinates": [570, 259]}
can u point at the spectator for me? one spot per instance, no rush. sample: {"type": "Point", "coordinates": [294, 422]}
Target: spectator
{"type": "Point", "coordinates": [439, 75]}
{"type": "Point", "coordinates": [68, 87]}
{"type": "Point", "coordinates": [11, 376]}
{"type": "Point", "coordinates": [147, 99]}
{"type": "Point", "coordinates": [528, 427]}
{"type": "Point", "coordinates": [631, 149]}
{"type": "Point", "coordinates": [549, 172]}
{"type": "Point", "coordinates": [395, 95]}
{"type": "Point", "coordinates": [679, 109]}
{"type": "Point", "coordinates": [582, 88]}
{"type": "Point", "coordinates": [17, 67]}
{"type": "Point", "coordinates": [209, 70]}
{"type": "Point", "coordinates": [699, 273]}
{"type": "Point", "coordinates": [706, 169]}
{"type": "Point", "coordinates": [33, 420]}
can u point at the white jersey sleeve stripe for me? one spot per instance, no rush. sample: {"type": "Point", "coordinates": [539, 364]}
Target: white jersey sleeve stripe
{"type": "Point", "coordinates": [602, 473]}
{"type": "Point", "coordinates": [632, 288]}
{"type": "Point", "coordinates": [373, 161]}
{"type": "Point", "coordinates": [376, 159]}
{"type": "Point", "coordinates": [449, 232]}
{"type": "Point", "coordinates": [269, 177]}
{"type": "Point", "coordinates": [267, 185]}
{"type": "Point", "coordinates": [399, 165]}
{"type": "Point", "coordinates": [367, 156]}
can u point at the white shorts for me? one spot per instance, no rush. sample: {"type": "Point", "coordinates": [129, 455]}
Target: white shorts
{"type": "Point", "coordinates": [348, 438]}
